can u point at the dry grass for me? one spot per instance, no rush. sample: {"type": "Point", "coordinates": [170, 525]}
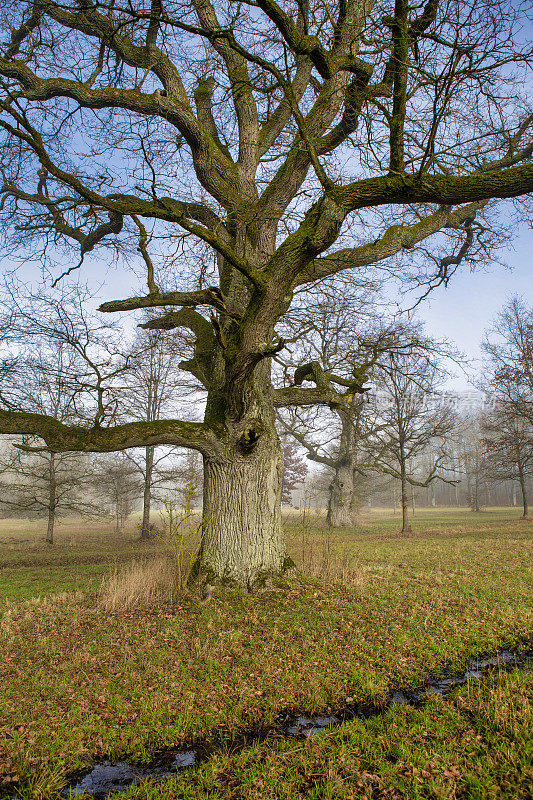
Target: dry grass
{"type": "Point", "coordinates": [139, 585]}
{"type": "Point", "coordinates": [322, 559]}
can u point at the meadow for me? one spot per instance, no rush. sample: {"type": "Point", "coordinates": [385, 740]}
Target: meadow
{"type": "Point", "coordinates": [368, 611]}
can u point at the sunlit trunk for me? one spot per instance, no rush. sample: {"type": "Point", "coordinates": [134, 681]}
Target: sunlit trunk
{"type": "Point", "coordinates": [243, 539]}
{"type": "Point", "coordinates": [242, 535]}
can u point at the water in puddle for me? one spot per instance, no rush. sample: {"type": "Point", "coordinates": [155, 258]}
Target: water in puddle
{"type": "Point", "coordinates": [311, 726]}
{"type": "Point", "coordinates": [107, 777]}
{"type": "Point", "coordinates": [399, 699]}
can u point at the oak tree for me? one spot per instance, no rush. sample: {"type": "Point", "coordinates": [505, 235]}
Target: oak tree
{"type": "Point", "coordinates": [294, 140]}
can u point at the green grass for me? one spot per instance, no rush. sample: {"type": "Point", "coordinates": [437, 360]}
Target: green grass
{"type": "Point", "coordinates": [79, 685]}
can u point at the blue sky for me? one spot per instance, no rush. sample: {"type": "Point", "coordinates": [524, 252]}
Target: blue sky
{"type": "Point", "coordinates": [463, 310]}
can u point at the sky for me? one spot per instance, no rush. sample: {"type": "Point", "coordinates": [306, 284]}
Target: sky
{"type": "Point", "coordinates": [465, 308]}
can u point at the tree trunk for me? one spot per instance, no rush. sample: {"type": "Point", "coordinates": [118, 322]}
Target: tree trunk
{"type": "Point", "coordinates": [476, 495]}
{"type": "Point", "coordinates": [147, 495]}
{"type": "Point", "coordinates": [52, 499]}
{"type": "Point", "coordinates": [242, 536]}
{"type": "Point", "coordinates": [341, 491]}
{"type": "Point", "coordinates": [406, 528]}
{"type": "Point", "coordinates": [340, 503]}
{"type": "Point", "coordinates": [522, 480]}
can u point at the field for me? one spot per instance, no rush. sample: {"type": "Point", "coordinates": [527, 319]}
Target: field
{"type": "Point", "coordinates": [369, 611]}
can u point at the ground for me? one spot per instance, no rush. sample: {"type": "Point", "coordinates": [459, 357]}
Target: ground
{"type": "Point", "coordinates": [371, 610]}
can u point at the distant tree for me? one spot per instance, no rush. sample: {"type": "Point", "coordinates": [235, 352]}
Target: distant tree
{"type": "Point", "coordinates": [472, 457]}
{"type": "Point", "coordinates": [116, 483]}
{"type": "Point", "coordinates": [37, 481]}
{"type": "Point", "coordinates": [412, 419]}
{"type": "Point", "coordinates": [41, 483]}
{"type": "Point", "coordinates": [294, 470]}
{"type": "Point", "coordinates": [341, 343]}
{"type": "Point", "coordinates": [188, 478]}
{"type": "Point", "coordinates": [153, 386]}
{"type": "Point", "coordinates": [508, 346]}
{"type": "Point", "coordinates": [508, 440]}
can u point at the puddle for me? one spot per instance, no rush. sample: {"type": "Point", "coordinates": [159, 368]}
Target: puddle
{"type": "Point", "coordinates": [311, 726]}
{"type": "Point", "coordinates": [108, 777]}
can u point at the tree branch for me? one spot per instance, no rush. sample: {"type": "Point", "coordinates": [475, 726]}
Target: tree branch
{"type": "Point", "coordinates": [395, 239]}
{"type": "Point", "coordinates": [61, 438]}
{"type": "Point", "coordinates": [203, 297]}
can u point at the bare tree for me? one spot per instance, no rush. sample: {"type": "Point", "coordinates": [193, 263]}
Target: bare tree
{"type": "Point", "coordinates": [187, 477]}
{"type": "Point", "coordinates": [116, 484]}
{"type": "Point", "coordinates": [508, 345]}
{"type": "Point", "coordinates": [268, 133]}
{"type": "Point", "coordinates": [338, 338]}
{"type": "Point", "coordinates": [152, 391]}
{"type": "Point", "coordinates": [412, 420]}
{"type": "Point", "coordinates": [508, 440]}
{"type": "Point", "coordinates": [474, 461]}
{"type": "Point", "coordinates": [38, 481]}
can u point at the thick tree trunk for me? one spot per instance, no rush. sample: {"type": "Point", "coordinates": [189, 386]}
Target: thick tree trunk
{"type": "Point", "coordinates": [147, 494]}
{"type": "Point", "coordinates": [340, 503]}
{"type": "Point", "coordinates": [52, 499]}
{"type": "Point", "coordinates": [243, 540]}
{"type": "Point", "coordinates": [242, 536]}
{"type": "Point", "coordinates": [341, 491]}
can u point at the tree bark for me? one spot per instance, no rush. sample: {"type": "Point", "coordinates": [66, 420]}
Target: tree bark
{"type": "Point", "coordinates": [522, 481]}
{"type": "Point", "coordinates": [341, 490]}
{"type": "Point", "coordinates": [341, 496]}
{"type": "Point", "coordinates": [52, 500]}
{"type": "Point", "coordinates": [406, 528]}
{"type": "Point", "coordinates": [475, 499]}
{"type": "Point", "coordinates": [147, 495]}
{"type": "Point", "coordinates": [242, 536]}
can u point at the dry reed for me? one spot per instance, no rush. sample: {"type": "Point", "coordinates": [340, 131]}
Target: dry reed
{"type": "Point", "coordinates": [140, 584]}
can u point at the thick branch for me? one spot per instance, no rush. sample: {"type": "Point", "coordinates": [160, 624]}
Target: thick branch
{"type": "Point", "coordinates": [62, 438]}
{"type": "Point", "coordinates": [292, 396]}
{"type": "Point", "coordinates": [204, 297]}
{"type": "Point", "coordinates": [395, 239]}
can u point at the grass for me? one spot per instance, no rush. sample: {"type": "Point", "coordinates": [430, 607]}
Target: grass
{"type": "Point", "coordinates": [373, 610]}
